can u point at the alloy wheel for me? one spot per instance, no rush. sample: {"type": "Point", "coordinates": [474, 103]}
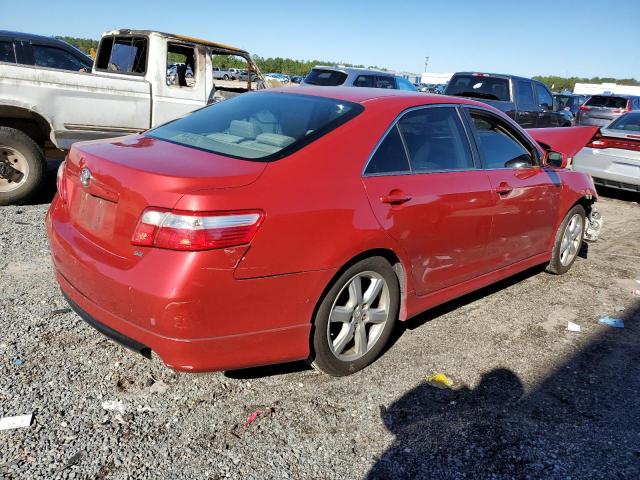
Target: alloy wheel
{"type": "Point", "coordinates": [571, 239]}
{"type": "Point", "coordinates": [358, 316]}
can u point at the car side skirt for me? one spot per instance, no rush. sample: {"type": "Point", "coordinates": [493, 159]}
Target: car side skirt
{"type": "Point", "coordinates": [418, 304]}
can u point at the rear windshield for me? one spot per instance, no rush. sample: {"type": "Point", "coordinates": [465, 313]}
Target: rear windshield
{"type": "Point", "coordinates": [485, 87]}
{"type": "Point", "coordinates": [260, 126]}
{"type": "Point", "coordinates": [326, 78]}
{"type": "Point", "coordinates": [630, 121]}
{"type": "Point", "coordinates": [606, 101]}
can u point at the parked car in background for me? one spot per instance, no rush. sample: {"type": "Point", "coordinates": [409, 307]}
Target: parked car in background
{"type": "Point", "coordinates": [221, 73]}
{"type": "Point", "coordinates": [243, 75]}
{"type": "Point", "coordinates": [527, 101]}
{"type": "Point", "coordinates": [355, 77]}
{"type": "Point", "coordinates": [42, 52]}
{"type": "Point", "coordinates": [297, 79]}
{"type": "Point", "coordinates": [159, 239]}
{"type": "Point", "coordinates": [612, 157]}
{"type": "Point", "coordinates": [140, 79]}
{"type": "Point", "coordinates": [281, 77]}
{"type": "Point", "coordinates": [568, 102]}
{"type": "Point", "coordinates": [600, 110]}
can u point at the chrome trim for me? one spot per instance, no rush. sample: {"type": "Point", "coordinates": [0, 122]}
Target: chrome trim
{"type": "Point", "coordinates": [100, 128]}
{"type": "Point", "coordinates": [394, 123]}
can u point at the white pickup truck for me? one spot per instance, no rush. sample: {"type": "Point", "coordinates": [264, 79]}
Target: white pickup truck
{"type": "Point", "coordinates": [139, 79]}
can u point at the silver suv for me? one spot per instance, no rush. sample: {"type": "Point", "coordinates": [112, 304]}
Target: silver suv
{"type": "Point", "coordinates": [601, 110]}
{"type": "Point", "coordinates": [355, 77]}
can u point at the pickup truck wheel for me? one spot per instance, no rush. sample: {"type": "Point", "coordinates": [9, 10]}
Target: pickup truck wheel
{"type": "Point", "coordinates": [355, 318]}
{"type": "Point", "coordinates": [226, 77]}
{"type": "Point", "coordinates": [22, 165]}
{"type": "Point", "coordinates": [568, 241]}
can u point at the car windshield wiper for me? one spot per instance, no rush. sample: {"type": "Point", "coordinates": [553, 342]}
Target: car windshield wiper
{"type": "Point", "coordinates": [487, 96]}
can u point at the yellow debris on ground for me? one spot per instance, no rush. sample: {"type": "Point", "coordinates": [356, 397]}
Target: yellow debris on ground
{"type": "Point", "coordinates": [440, 380]}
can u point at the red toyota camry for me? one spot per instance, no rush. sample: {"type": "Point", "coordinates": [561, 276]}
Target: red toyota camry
{"type": "Point", "coordinates": [302, 223]}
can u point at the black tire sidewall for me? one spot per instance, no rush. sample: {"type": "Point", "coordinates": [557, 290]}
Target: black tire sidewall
{"type": "Point", "coordinates": [322, 357]}
{"type": "Point", "coordinates": [32, 153]}
{"type": "Point", "coordinates": [555, 266]}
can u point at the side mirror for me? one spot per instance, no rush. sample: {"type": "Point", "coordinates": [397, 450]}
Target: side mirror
{"type": "Point", "coordinates": [556, 159]}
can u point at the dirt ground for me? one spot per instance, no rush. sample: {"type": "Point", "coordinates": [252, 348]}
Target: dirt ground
{"type": "Point", "coordinates": [530, 399]}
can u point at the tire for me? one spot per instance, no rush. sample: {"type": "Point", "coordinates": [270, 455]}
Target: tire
{"type": "Point", "coordinates": [20, 151]}
{"type": "Point", "coordinates": [338, 348]}
{"type": "Point", "coordinates": [561, 259]}
{"type": "Point", "coordinates": [226, 77]}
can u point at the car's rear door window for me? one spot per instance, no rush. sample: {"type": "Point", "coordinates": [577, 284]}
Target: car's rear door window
{"type": "Point", "coordinates": [258, 126]}
{"type": "Point", "coordinates": [367, 81]}
{"type": "Point", "coordinates": [606, 101]}
{"type": "Point", "coordinates": [383, 81]}
{"type": "Point", "coordinates": [498, 144]}
{"type": "Point", "coordinates": [436, 140]}
{"type": "Point", "coordinates": [7, 54]}
{"type": "Point", "coordinates": [390, 157]}
{"type": "Point", "coordinates": [326, 78]}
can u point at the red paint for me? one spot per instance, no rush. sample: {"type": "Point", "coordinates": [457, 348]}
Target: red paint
{"type": "Point", "coordinates": [252, 304]}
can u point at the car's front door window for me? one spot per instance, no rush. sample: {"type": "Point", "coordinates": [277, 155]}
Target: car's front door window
{"type": "Point", "coordinates": [498, 145]}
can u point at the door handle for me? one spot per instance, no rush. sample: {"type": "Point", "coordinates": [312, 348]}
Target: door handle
{"type": "Point", "coordinates": [504, 189]}
{"type": "Point", "coordinates": [395, 197]}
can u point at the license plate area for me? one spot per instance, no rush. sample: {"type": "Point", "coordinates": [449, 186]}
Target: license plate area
{"type": "Point", "coordinates": [96, 215]}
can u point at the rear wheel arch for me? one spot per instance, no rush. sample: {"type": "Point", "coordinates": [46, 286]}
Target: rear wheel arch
{"type": "Point", "coordinates": [32, 124]}
{"type": "Point", "coordinates": [391, 257]}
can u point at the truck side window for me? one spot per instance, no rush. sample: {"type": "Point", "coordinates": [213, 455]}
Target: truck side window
{"type": "Point", "coordinates": [181, 65]}
{"type": "Point", "coordinates": [123, 55]}
{"type": "Point", "coordinates": [544, 97]}
{"type": "Point", "coordinates": [6, 52]}
{"type": "Point", "coordinates": [524, 94]}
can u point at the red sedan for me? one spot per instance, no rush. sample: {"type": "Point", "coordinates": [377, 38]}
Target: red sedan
{"type": "Point", "coordinates": [286, 225]}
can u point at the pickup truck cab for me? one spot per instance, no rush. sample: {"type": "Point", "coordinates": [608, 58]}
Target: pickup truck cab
{"type": "Point", "coordinates": [140, 79]}
{"type": "Point", "coordinates": [526, 101]}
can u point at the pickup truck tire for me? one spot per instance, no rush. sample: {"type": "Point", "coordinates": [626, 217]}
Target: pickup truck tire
{"type": "Point", "coordinates": [21, 152]}
{"type": "Point", "coordinates": [226, 77]}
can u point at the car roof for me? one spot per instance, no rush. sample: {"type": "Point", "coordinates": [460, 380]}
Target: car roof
{"type": "Point", "coordinates": [362, 94]}
{"type": "Point", "coordinates": [354, 70]}
{"type": "Point", "coordinates": [31, 36]}
{"type": "Point", "coordinates": [499, 75]}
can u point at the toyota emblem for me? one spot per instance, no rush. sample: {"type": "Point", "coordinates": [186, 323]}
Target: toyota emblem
{"type": "Point", "coordinates": [85, 177]}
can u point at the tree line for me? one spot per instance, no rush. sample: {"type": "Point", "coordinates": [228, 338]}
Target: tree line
{"type": "Point", "coordinates": [290, 66]}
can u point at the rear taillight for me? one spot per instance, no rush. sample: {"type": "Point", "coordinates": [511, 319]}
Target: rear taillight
{"type": "Point", "coordinates": [181, 230]}
{"type": "Point", "coordinates": [584, 108]}
{"type": "Point", "coordinates": [61, 182]}
{"type": "Point", "coordinates": [600, 142]}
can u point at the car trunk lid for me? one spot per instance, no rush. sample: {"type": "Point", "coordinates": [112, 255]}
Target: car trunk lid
{"type": "Point", "coordinates": [110, 183]}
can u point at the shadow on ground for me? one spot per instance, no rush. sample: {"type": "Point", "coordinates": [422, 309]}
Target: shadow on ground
{"type": "Point", "coordinates": [46, 193]}
{"type": "Point", "coordinates": [583, 421]}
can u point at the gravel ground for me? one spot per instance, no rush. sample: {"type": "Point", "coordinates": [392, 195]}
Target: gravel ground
{"type": "Point", "coordinates": [530, 399]}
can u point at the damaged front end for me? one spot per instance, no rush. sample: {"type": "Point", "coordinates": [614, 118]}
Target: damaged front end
{"type": "Point", "coordinates": [594, 222]}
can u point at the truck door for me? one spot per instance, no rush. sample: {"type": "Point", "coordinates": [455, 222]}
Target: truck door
{"type": "Point", "coordinates": [546, 116]}
{"type": "Point", "coordinates": [183, 84]}
{"type": "Point", "coordinates": [114, 101]}
{"type": "Point", "coordinates": [526, 108]}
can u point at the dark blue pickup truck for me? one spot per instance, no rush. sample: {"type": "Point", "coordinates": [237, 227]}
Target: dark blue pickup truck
{"type": "Point", "coordinates": [527, 101]}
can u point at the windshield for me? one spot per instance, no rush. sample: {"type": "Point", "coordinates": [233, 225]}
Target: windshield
{"type": "Point", "coordinates": [630, 121]}
{"type": "Point", "coordinates": [606, 101]}
{"type": "Point", "coordinates": [327, 78]}
{"type": "Point", "coordinates": [476, 86]}
{"type": "Point", "coordinates": [258, 126]}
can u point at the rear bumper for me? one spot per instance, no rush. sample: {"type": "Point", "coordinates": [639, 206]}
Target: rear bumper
{"type": "Point", "coordinates": [194, 316]}
{"type": "Point", "coordinates": [612, 167]}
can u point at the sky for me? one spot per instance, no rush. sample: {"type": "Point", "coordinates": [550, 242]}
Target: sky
{"type": "Point", "coordinates": [585, 38]}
